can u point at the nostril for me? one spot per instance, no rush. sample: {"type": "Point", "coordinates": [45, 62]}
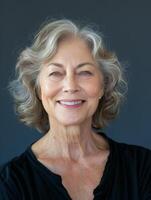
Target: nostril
{"type": "Point", "coordinates": [71, 90]}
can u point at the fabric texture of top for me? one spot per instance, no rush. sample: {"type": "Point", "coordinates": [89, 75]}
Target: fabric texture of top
{"type": "Point", "coordinates": [127, 176]}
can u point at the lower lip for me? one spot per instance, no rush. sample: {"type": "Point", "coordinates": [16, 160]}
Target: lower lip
{"type": "Point", "coordinates": [71, 106]}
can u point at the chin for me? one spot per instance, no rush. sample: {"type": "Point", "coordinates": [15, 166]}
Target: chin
{"type": "Point", "coordinates": [70, 122]}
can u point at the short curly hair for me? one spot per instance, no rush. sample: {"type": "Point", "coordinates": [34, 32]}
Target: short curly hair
{"type": "Point", "coordinates": [25, 87]}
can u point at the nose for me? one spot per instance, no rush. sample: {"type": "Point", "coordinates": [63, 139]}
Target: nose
{"type": "Point", "coordinates": [70, 84]}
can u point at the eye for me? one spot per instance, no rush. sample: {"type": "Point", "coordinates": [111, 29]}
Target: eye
{"type": "Point", "coordinates": [85, 73]}
{"type": "Point", "coordinates": [55, 74]}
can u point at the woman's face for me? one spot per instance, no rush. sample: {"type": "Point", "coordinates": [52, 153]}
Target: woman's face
{"type": "Point", "coordinates": [71, 84]}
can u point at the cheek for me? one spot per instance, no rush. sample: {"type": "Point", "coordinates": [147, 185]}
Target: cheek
{"type": "Point", "coordinates": [47, 97]}
{"type": "Point", "coordinates": [94, 89]}
{"type": "Point", "coordinates": [47, 90]}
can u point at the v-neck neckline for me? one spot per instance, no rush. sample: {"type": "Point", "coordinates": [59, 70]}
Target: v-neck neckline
{"type": "Point", "coordinates": [58, 179]}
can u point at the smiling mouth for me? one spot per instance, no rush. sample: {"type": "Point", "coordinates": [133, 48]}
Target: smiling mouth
{"type": "Point", "coordinates": [71, 103]}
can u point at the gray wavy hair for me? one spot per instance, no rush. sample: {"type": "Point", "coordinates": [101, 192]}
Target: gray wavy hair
{"type": "Point", "coordinates": [25, 88]}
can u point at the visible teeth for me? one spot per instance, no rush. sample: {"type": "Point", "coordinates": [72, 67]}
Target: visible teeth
{"type": "Point", "coordinates": [70, 102]}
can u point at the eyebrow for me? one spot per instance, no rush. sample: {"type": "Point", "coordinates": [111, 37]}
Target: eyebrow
{"type": "Point", "coordinates": [78, 66]}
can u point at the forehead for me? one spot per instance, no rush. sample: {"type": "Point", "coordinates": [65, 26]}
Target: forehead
{"type": "Point", "coordinates": [73, 48]}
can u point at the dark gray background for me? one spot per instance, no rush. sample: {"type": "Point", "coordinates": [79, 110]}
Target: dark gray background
{"type": "Point", "coordinates": [126, 26]}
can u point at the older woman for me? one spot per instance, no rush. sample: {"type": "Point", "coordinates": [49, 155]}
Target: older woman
{"type": "Point", "coordinates": [69, 87]}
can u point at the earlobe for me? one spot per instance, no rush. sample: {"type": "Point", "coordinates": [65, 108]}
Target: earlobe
{"type": "Point", "coordinates": [101, 94]}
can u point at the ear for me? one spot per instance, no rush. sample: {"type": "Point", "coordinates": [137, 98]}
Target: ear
{"type": "Point", "coordinates": [101, 93]}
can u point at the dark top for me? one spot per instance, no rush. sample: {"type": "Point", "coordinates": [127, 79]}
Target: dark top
{"type": "Point", "coordinates": [127, 176]}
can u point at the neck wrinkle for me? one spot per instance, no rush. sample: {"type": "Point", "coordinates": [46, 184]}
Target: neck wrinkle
{"type": "Point", "coordinates": [72, 142]}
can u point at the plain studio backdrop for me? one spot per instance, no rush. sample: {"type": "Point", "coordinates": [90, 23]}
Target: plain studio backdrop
{"type": "Point", "coordinates": [126, 26]}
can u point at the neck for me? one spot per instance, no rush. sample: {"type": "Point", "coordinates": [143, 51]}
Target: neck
{"type": "Point", "coordinates": [69, 142]}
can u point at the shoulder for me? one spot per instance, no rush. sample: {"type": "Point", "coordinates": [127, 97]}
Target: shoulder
{"type": "Point", "coordinates": [138, 156]}
{"type": "Point", "coordinates": [136, 152]}
{"type": "Point", "coordinates": [136, 161]}
{"type": "Point", "coordinates": [128, 152]}
{"type": "Point", "coordinates": [12, 177]}
{"type": "Point", "coordinates": [13, 166]}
